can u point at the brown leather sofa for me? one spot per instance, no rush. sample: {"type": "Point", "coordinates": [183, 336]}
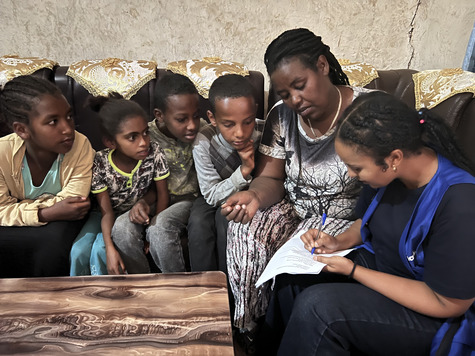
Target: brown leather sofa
{"type": "Point", "coordinates": [458, 110]}
{"type": "Point", "coordinates": [87, 120]}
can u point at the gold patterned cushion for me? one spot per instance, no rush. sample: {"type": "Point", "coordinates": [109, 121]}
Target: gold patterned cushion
{"type": "Point", "coordinates": [12, 66]}
{"type": "Point", "coordinates": [359, 73]}
{"type": "Point", "coordinates": [100, 77]}
{"type": "Point", "coordinates": [431, 87]}
{"type": "Point", "coordinates": [203, 72]}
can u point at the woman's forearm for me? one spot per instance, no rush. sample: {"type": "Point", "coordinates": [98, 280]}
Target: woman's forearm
{"type": "Point", "coordinates": [412, 294]}
{"type": "Point", "coordinates": [268, 190]}
{"type": "Point", "coordinates": [351, 237]}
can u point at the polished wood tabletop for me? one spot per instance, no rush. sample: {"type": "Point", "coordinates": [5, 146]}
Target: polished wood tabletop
{"type": "Point", "coordinates": [148, 314]}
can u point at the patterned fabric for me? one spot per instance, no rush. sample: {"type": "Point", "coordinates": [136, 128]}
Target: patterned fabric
{"type": "Point", "coordinates": [218, 164]}
{"type": "Point", "coordinates": [224, 162]}
{"type": "Point", "coordinates": [431, 87]}
{"type": "Point", "coordinates": [100, 77]}
{"type": "Point", "coordinates": [203, 72]}
{"type": "Point", "coordinates": [182, 180]}
{"type": "Point", "coordinates": [316, 182]}
{"type": "Point", "coordinates": [316, 179]}
{"type": "Point", "coordinates": [126, 188]}
{"type": "Point", "coordinates": [12, 66]}
{"type": "Point", "coordinates": [359, 74]}
{"type": "Point", "coordinates": [250, 247]}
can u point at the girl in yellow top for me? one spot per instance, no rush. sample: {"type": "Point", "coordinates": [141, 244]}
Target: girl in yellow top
{"type": "Point", "coordinates": [45, 177]}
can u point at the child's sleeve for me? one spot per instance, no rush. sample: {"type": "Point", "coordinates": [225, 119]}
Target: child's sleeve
{"type": "Point", "coordinates": [14, 212]}
{"type": "Point", "coordinates": [76, 172]}
{"type": "Point", "coordinates": [99, 173]}
{"type": "Point", "coordinates": [214, 189]}
{"type": "Point", "coordinates": [160, 162]}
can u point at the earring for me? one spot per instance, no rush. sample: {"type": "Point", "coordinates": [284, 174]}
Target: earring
{"type": "Point", "coordinates": [394, 168]}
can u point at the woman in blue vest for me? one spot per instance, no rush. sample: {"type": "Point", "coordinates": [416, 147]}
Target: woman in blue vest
{"type": "Point", "coordinates": [409, 289]}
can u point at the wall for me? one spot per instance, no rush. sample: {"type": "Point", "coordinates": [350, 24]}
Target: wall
{"type": "Point", "coordinates": [419, 34]}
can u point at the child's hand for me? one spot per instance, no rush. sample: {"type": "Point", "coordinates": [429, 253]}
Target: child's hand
{"type": "Point", "coordinates": [115, 265]}
{"type": "Point", "coordinates": [325, 244]}
{"type": "Point", "coordinates": [241, 206]}
{"type": "Point", "coordinates": [139, 214]}
{"type": "Point", "coordinates": [247, 159]}
{"type": "Point", "coordinates": [72, 208]}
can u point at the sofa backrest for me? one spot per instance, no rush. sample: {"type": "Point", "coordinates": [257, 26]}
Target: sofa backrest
{"type": "Point", "coordinates": [458, 110]}
{"type": "Point", "coordinates": [87, 120]}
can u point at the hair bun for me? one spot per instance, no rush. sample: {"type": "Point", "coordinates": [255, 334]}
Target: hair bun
{"type": "Point", "coordinates": [97, 102]}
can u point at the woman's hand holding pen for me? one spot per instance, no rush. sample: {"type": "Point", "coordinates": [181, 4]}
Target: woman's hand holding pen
{"type": "Point", "coordinates": [325, 243]}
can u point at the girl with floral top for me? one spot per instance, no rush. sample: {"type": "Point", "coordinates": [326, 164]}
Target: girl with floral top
{"type": "Point", "coordinates": [122, 181]}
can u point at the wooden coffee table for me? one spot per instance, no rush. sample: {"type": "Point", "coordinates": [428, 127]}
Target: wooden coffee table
{"type": "Point", "coordinates": [153, 314]}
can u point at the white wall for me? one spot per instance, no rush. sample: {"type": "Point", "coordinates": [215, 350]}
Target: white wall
{"type": "Point", "coordinates": [419, 34]}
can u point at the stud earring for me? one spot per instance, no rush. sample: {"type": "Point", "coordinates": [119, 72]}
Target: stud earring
{"type": "Point", "coordinates": [394, 168]}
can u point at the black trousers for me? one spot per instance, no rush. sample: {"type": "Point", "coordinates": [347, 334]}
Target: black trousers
{"type": "Point", "coordinates": [327, 314]}
{"type": "Point", "coordinates": [41, 251]}
{"type": "Point", "coordinates": [207, 237]}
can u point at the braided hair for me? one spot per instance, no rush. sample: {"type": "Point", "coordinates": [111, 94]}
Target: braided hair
{"type": "Point", "coordinates": [306, 46]}
{"type": "Point", "coordinates": [377, 123]}
{"type": "Point", "coordinates": [303, 44]}
{"type": "Point", "coordinates": [114, 110]}
{"type": "Point", "coordinates": [19, 97]}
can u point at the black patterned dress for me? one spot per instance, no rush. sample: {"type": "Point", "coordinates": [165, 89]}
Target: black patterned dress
{"type": "Point", "coordinates": [316, 182]}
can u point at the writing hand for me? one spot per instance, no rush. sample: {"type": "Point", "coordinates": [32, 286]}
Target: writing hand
{"type": "Point", "coordinates": [325, 244]}
{"type": "Point", "coordinates": [139, 214]}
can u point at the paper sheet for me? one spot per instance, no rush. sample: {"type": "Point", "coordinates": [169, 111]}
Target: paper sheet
{"type": "Point", "coordinates": [293, 258]}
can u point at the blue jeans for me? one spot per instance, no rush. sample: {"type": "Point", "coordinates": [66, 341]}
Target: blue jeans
{"type": "Point", "coordinates": [165, 233]}
{"type": "Point", "coordinates": [88, 254]}
{"type": "Point", "coordinates": [342, 317]}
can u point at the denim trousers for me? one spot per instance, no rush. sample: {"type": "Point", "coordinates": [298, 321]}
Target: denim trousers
{"type": "Point", "coordinates": [88, 254]}
{"type": "Point", "coordinates": [164, 235]}
{"type": "Point", "coordinates": [207, 230]}
{"type": "Point", "coordinates": [327, 314]}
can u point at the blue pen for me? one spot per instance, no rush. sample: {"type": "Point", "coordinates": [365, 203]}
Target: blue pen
{"type": "Point", "coordinates": [324, 217]}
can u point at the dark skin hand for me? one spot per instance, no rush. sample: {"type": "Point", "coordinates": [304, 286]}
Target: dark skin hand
{"type": "Point", "coordinates": [72, 208]}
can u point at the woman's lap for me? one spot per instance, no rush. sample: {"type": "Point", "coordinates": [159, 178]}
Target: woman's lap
{"type": "Point", "coordinates": [337, 318]}
{"type": "Point", "coordinates": [249, 249]}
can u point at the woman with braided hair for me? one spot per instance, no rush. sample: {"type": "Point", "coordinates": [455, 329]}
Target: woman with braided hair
{"type": "Point", "coordinates": [409, 287]}
{"type": "Point", "coordinates": [299, 177]}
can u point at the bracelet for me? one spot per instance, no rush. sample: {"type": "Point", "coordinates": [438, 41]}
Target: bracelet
{"type": "Point", "coordinates": [350, 276]}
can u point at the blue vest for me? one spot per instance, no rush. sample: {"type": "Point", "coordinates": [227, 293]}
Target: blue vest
{"type": "Point", "coordinates": [412, 254]}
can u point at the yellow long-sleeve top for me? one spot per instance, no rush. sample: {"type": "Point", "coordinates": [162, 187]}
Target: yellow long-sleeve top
{"type": "Point", "coordinates": [75, 175]}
